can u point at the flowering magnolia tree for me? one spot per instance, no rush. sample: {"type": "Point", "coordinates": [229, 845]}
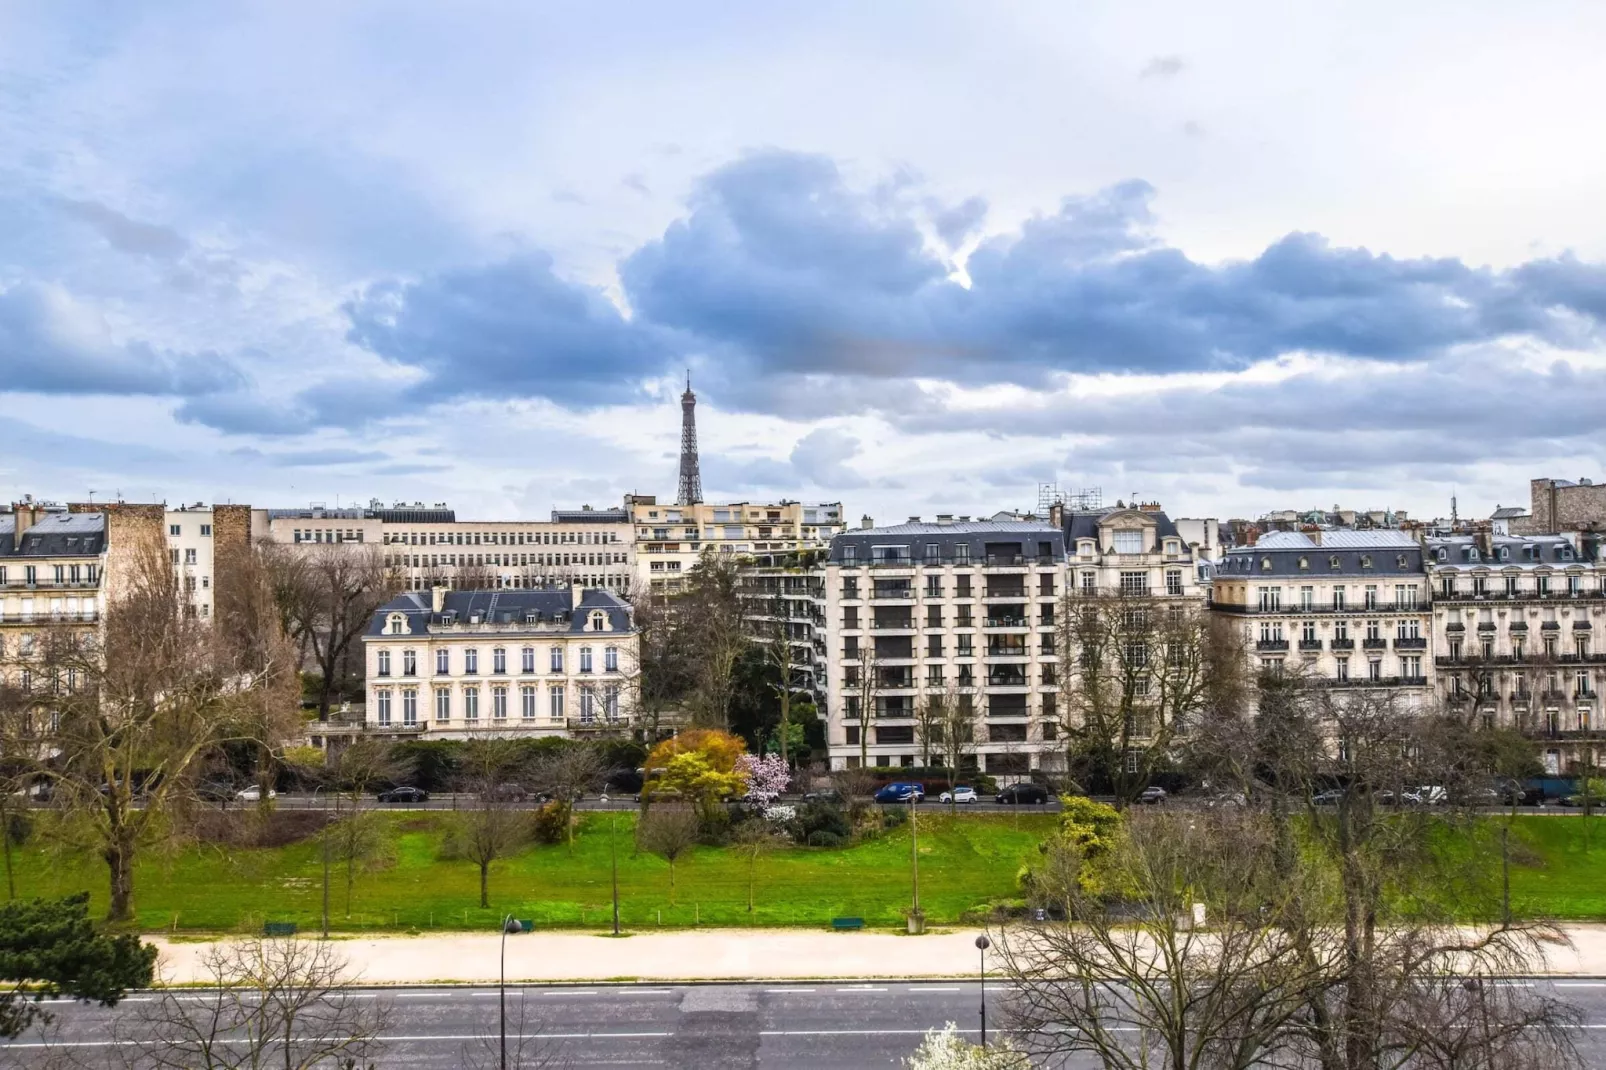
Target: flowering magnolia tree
{"type": "Point", "coordinates": [945, 1049]}
{"type": "Point", "coordinates": [767, 778]}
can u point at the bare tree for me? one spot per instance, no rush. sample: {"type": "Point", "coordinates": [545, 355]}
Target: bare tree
{"type": "Point", "coordinates": [710, 617]}
{"type": "Point", "coordinates": [863, 684]}
{"type": "Point", "coordinates": [328, 593]}
{"type": "Point", "coordinates": [120, 723]}
{"type": "Point", "coordinates": [753, 839]}
{"type": "Point", "coordinates": [360, 839]}
{"type": "Point", "coordinates": [772, 630]}
{"type": "Point", "coordinates": [1134, 671]}
{"type": "Point", "coordinates": [493, 827]}
{"type": "Point", "coordinates": [668, 831]}
{"type": "Point", "coordinates": [475, 578]}
{"type": "Point", "coordinates": [268, 1003]}
{"type": "Point", "coordinates": [567, 774]}
{"type": "Point", "coordinates": [524, 1049]}
{"type": "Point", "coordinates": [661, 677]}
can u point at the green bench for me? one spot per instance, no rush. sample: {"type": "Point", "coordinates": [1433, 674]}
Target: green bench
{"type": "Point", "coordinates": [279, 928]}
{"type": "Point", "coordinates": [847, 923]}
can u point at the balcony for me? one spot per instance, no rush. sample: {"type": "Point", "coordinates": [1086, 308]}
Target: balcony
{"type": "Point", "coordinates": [89, 616]}
{"type": "Point", "coordinates": [1412, 642]}
{"type": "Point", "coordinates": [593, 725]}
{"type": "Point", "coordinates": [890, 594]}
{"type": "Point", "coordinates": [1005, 622]}
{"type": "Point", "coordinates": [1014, 594]}
{"type": "Point", "coordinates": [1343, 644]}
{"type": "Point", "coordinates": [1271, 644]}
{"type": "Point", "coordinates": [1280, 610]}
{"type": "Point", "coordinates": [1374, 644]}
{"type": "Point", "coordinates": [1310, 644]}
{"type": "Point", "coordinates": [1382, 682]}
{"type": "Point", "coordinates": [905, 624]}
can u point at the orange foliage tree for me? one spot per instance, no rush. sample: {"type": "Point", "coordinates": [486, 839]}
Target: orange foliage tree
{"type": "Point", "coordinates": [698, 766]}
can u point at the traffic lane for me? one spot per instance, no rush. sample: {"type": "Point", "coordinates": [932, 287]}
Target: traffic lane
{"type": "Point", "coordinates": [447, 801]}
{"type": "Point", "coordinates": [825, 1025]}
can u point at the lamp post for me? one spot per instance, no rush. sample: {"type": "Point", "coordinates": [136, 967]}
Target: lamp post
{"type": "Point", "coordinates": [982, 944]}
{"type": "Point", "coordinates": [508, 926]}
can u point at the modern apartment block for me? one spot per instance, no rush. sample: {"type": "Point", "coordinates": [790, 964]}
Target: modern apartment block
{"type": "Point", "coordinates": [455, 664]}
{"type": "Point", "coordinates": [670, 538]}
{"type": "Point", "coordinates": [1349, 609]}
{"type": "Point", "coordinates": [1515, 625]}
{"type": "Point", "coordinates": [430, 546]}
{"type": "Point", "coordinates": [952, 608]}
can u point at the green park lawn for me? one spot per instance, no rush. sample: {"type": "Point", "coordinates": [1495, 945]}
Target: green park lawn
{"type": "Point", "coordinates": [965, 863]}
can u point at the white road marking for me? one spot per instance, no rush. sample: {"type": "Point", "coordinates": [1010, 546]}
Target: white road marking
{"type": "Point", "coordinates": [781, 990]}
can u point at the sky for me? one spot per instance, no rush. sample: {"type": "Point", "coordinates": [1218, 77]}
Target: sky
{"type": "Point", "coordinates": [917, 257]}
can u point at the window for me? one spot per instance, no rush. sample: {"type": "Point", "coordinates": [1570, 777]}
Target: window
{"type": "Point", "coordinates": [1343, 668]}
{"type": "Point", "coordinates": [499, 660]}
{"type": "Point", "coordinates": [1307, 597]}
{"type": "Point", "coordinates": [471, 661]}
{"type": "Point", "coordinates": [1341, 630]}
{"type": "Point", "coordinates": [610, 702]}
{"type": "Point", "coordinates": [499, 702]}
{"type": "Point", "coordinates": [174, 530]}
{"type": "Point", "coordinates": [443, 662]}
{"type": "Point", "coordinates": [610, 659]}
{"type": "Point", "coordinates": [527, 702]}
{"type": "Point", "coordinates": [382, 663]}
{"type": "Point", "coordinates": [206, 530]}
{"type": "Point", "coordinates": [588, 705]}
{"type": "Point", "coordinates": [471, 703]}
{"type": "Point", "coordinates": [1173, 581]}
{"type": "Point", "coordinates": [382, 698]}
{"type": "Point", "coordinates": [555, 659]}
{"type": "Point", "coordinates": [443, 704]}
{"type": "Point", "coordinates": [849, 554]}
{"type": "Point", "coordinates": [1135, 583]}
{"type": "Point", "coordinates": [555, 702]}
{"type": "Point", "coordinates": [409, 663]}
{"type": "Point", "coordinates": [585, 659]}
{"type": "Point", "coordinates": [189, 556]}
{"type": "Point", "coordinates": [1128, 542]}
{"type": "Point", "coordinates": [1307, 632]}
{"type": "Point", "coordinates": [527, 656]}
{"type": "Point", "coordinates": [933, 553]}
{"type": "Point", "coordinates": [1370, 597]}
{"type": "Point", "coordinates": [1374, 669]}
{"type": "Point", "coordinates": [1271, 631]}
{"type": "Point", "coordinates": [1411, 667]}
{"type": "Point", "coordinates": [1408, 629]}
{"type": "Point", "coordinates": [1089, 582]}
{"type": "Point", "coordinates": [962, 553]}
{"type": "Point", "coordinates": [410, 706]}
{"type": "Point", "coordinates": [1271, 599]}
{"type": "Point", "coordinates": [1373, 632]}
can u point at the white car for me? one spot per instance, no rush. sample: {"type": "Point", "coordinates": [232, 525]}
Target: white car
{"type": "Point", "coordinates": [960, 794]}
{"type": "Point", "coordinates": [254, 794]}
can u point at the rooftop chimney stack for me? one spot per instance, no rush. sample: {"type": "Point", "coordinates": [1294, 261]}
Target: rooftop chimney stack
{"type": "Point", "coordinates": [865, 522]}
{"type": "Point", "coordinates": [437, 598]}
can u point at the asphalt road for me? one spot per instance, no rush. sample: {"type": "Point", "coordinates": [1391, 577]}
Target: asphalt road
{"type": "Point", "coordinates": [446, 801]}
{"type": "Point", "coordinates": [805, 1026]}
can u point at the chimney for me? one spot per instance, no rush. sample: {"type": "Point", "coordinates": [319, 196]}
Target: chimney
{"type": "Point", "coordinates": [914, 520]}
{"type": "Point", "coordinates": [865, 522]}
{"type": "Point", "coordinates": [1056, 514]}
{"type": "Point", "coordinates": [576, 592]}
{"type": "Point", "coordinates": [437, 598]}
{"type": "Point", "coordinates": [27, 515]}
{"type": "Point", "coordinates": [945, 518]}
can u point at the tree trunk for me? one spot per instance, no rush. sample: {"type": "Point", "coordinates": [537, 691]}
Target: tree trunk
{"type": "Point", "coordinates": [11, 880]}
{"type": "Point", "coordinates": [671, 882]}
{"type": "Point", "coordinates": [119, 856]}
{"type": "Point", "coordinates": [485, 885]}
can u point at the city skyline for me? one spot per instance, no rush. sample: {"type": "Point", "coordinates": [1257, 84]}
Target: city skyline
{"type": "Point", "coordinates": [917, 260]}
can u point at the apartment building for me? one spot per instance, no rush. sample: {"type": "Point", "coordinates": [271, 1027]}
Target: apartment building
{"type": "Point", "coordinates": [52, 573]}
{"type": "Point", "coordinates": [1349, 609]}
{"type": "Point", "coordinates": [953, 608]}
{"type": "Point", "coordinates": [783, 594]}
{"type": "Point", "coordinates": [455, 664]}
{"type": "Point", "coordinates": [669, 539]}
{"type": "Point", "coordinates": [431, 547]}
{"type": "Point", "coordinates": [1515, 623]}
{"type": "Point", "coordinates": [1137, 551]}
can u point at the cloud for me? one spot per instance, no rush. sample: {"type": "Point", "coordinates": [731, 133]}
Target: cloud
{"type": "Point", "coordinates": [637, 183]}
{"type": "Point", "coordinates": [1163, 67]}
{"type": "Point", "coordinates": [320, 458]}
{"type": "Point", "coordinates": [512, 328]}
{"type": "Point", "coordinates": [821, 457]}
{"type": "Point", "coordinates": [128, 235]}
{"type": "Point", "coordinates": [53, 344]}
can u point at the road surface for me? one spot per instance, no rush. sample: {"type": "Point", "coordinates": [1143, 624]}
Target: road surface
{"type": "Point", "coordinates": [800, 1026]}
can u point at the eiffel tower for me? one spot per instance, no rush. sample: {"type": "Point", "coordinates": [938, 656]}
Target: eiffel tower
{"type": "Point", "coordinates": [691, 480]}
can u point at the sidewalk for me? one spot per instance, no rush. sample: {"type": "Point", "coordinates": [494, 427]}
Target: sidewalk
{"type": "Point", "coordinates": [704, 955]}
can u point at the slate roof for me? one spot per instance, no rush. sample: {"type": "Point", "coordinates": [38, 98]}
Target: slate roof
{"type": "Point", "coordinates": [1462, 551]}
{"type": "Point", "coordinates": [55, 535]}
{"type": "Point", "coordinates": [976, 534]}
{"type": "Point", "coordinates": [1508, 512]}
{"type": "Point", "coordinates": [1086, 525]}
{"type": "Point", "coordinates": [553, 605]}
{"type": "Point", "coordinates": [1358, 554]}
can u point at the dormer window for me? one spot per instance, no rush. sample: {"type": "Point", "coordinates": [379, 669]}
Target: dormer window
{"type": "Point", "coordinates": [598, 621]}
{"type": "Point", "coordinates": [1332, 563]}
{"type": "Point", "coordinates": [1128, 542]}
{"type": "Point", "coordinates": [1304, 564]}
{"type": "Point", "coordinates": [531, 618]}
{"type": "Point", "coordinates": [1505, 553]}
{"type": "Point", "coordinates": [1442, 554]}
{"type": "Point", "coordinates": [1566, 553]}
{"type": "Point", "coordinates": [1399, 562]}
{"type": "Point", "coordinates": [396, 624]}
{"type": "Point", "coordinates": [1366, 560]}
{"type": "Point", "coordinates": [1472, 553]}
{"type": "Point", "coordinates": [1265, 564]}
{"type": "Point", "coordinates": [1172, 546]}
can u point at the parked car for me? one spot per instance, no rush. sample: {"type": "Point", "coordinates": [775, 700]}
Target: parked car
{"type": "Point", "coordinates": [960, 794]}
{"type": "Point", "coordinates": [1227, 800]}
{"type": "Point", "coordinates": [1152, 796]}
{"type": "Point", "coordinates": [1022, 794]}
{"type": "Point", "coordinates": [828, 797]}
{"type": "Point", "coordinates": [406, 793]}
{"type": "Point", "coordinates": [1596, 802]}
{"type": "Point", "coordinates": [254, 794]}
{"type": "Point", "coordinates": [1428, 795]}
{"type": "Point", "coordinates": [510, 792]}
{"type": "Point", "coordinates": [901, 793]}
{"type": "Point", "coordinates": [1331, 797]}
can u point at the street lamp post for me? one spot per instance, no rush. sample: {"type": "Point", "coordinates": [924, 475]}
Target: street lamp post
{"type": "Point", "coordinates": [508, 925]}
{"type": "Point", "coordinates": [982, 944]}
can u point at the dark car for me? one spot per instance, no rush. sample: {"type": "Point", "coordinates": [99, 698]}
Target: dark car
{"type": "Point", "coordinates": [1151, 796]}
{"type": "Point", "coordinates": [510, 792]}
{"type": "Point", "coordinates": [1022, 794]}
{"type": "Point", "coordinates": [404, 794]}
{"type": "Point", "coordinates": [901, 793]}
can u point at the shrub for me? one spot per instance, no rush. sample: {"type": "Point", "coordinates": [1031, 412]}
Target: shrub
{"type": "Point", "coordinates": [820, 817]}
{"type": "Point", "coordinates": [715, 828]}
{"type": "Point", "coordinates": [822, 838]}
{"type": "Point", "coordinates": [549, 823]}
{"type": "Point", "coordinates": [893, 817]}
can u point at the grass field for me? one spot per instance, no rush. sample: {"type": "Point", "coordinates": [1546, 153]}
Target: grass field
{"type": "Point", "coordinates": [964, 863]}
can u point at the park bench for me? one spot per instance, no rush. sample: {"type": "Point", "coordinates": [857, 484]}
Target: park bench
{"type": "Point", "coordinates": [279, 928]}
{"type": "Point", "coordinates": [847, 923]}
